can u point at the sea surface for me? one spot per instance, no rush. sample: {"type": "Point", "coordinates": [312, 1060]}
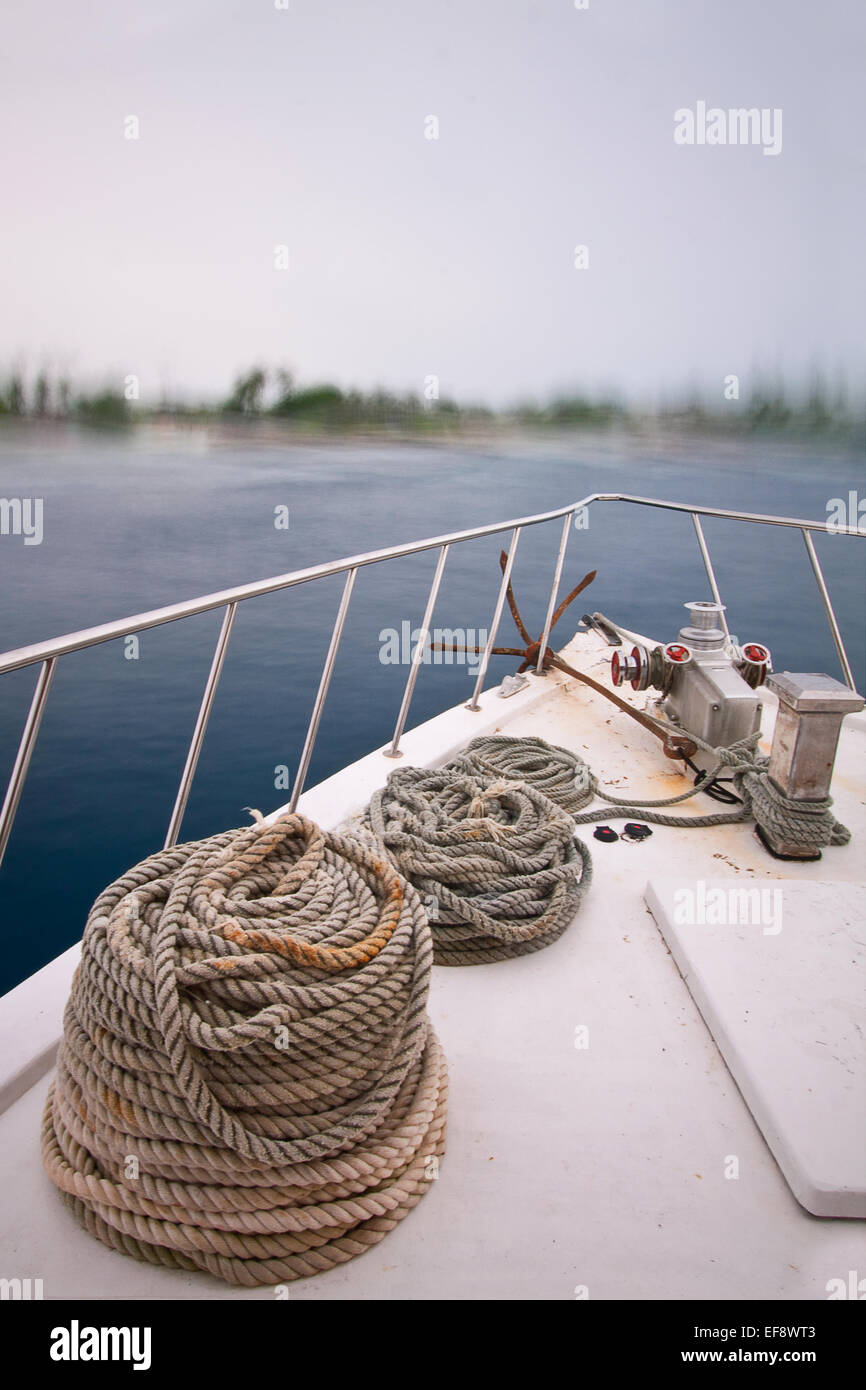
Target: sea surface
{"type": "Point", "coordinates": [136, 520]}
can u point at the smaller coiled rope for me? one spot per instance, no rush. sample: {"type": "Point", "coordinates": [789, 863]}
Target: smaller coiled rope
{"type": "Point", "coordinates": [497, 861]}
{"type": "Point", "coordinates": [551, 770]}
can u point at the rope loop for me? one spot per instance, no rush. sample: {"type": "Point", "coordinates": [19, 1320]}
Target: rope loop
{"type": "Point", "coordinates": [810, 824]}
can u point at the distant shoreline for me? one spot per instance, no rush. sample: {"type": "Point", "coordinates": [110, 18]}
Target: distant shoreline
{"type": "Point", "coordinates": [218, 430]}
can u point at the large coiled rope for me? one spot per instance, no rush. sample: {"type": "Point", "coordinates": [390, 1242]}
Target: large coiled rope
{"type": "Point", "coordinates": [567, 779]}
{"type": "Point", "coordinates": [248, 1082]}
{"type": "Point", "coordinates": [497, 861]}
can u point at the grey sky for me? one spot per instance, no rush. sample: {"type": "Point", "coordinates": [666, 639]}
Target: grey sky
{"type": "Point", "coordinates": [410, 256]}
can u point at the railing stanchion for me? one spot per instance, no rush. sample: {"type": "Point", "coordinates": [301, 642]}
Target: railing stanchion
{"type": "Point", "coordinates": [417, 657]}
{"type": "Point", "coordinates": [828, 609]}
{"type": "Point", "coordinates": [201, 723]}
{"type": "Point", "coordinates": [324, 682]}
{"type": "Point", "coordinates": [557, 575]}
{"type": "Point", "coordinates": [25, 752]}
{"type": "Point", "coordinates": [708, 566]}
{"type": "Point", "coordinates": [497, 614]}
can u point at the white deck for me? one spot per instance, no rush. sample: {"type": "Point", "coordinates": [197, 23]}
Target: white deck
{"type": "Point", "coordinates": [567, 1169]}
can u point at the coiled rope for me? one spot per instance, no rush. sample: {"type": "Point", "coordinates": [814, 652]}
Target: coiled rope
{"type": "Point", "coordinates": [553, 771]}
{"type": "Point", "coordinates": [248, 1082]}
{"type": "Point", "coordinates": [497, 861]}
{"type": "Point", "coordinates": [567, 779]}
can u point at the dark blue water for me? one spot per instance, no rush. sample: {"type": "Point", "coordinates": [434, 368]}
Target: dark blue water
{"type": "Point", "coordinates": [131, 524]}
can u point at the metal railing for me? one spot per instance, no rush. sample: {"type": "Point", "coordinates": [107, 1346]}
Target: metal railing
{"type": "Point", "coordinates": [48, 653]}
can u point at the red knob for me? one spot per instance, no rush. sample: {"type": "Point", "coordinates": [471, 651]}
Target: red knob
{"type": "Point", "coordinates": [675, 651]}
{"type": "Point", "coordinates": [753, 651]}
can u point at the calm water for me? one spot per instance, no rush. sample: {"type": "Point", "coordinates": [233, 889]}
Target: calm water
{"type": "Point", "coordinates": [131, 523]}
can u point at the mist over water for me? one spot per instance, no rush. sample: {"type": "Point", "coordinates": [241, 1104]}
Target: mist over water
{"type": "Point", "coordinates": [134, 521]}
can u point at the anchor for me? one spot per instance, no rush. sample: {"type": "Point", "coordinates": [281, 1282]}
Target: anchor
{"type": "Point", "coordinates": [676, 746]}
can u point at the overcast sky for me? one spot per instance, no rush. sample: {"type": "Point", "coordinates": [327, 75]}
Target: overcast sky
{"type": "Point", "coordinates": [262, 127]}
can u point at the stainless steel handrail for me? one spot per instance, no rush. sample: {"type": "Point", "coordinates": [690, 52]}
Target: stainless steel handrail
{"type": "Point", "coordinates": [47, 652]}
{"type": "Point", "coordinates": [711, 574]}
{"type": "Point", "coordinates": [417, 656]}
{"type": "Point", "coordinates": [760, 518]}
{"type": "Point", "coordinates": [473, 704]}
{"type": "Point", "coordinates": [107, 632]}
{"type": "Point", "coordinates": [554, 591]}
{"type": "Point", "coordinates": [324, 682]}
{"type": "Point", "coordinates": [25, 752]}
{"type": "Point", "coordinates": [828, 609]}
{"type": "Point", "coordinates": [201, 723]}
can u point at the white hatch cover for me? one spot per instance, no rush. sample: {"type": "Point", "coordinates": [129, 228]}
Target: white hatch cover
{"type": "Point", "coordinates": [778, 970]}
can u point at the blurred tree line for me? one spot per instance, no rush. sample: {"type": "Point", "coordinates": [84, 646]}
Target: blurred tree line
{"type": "Point", "coordinates": [260, 394]}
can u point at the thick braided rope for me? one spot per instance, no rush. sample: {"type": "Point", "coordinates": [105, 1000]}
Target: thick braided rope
{"type": "Point", "coordinates": [248, 1082]}
{"type": "Point", "coordinates": [497, 861]}
{"type": "Point", "coordinates": [566, 779]}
